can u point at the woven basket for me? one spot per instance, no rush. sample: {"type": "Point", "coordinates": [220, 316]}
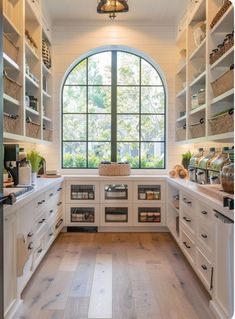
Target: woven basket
{"type": "Point", "coordinates": [11, 87]}
{"type": "Point", "coordinates": [10, 48]}
{"type": "Point", "coordinates": [47, 134]}
{"type": "Point", "coordinates": [224, 83]}
{"type": "Point", "coordinates": [220, 13]}
{"type": "Point", "coordinates": [10, 123]}
{"type": "Point", "coordinates": [114, 169]}
{"type": "Point", "coordinates": [197, 130]}
{"type": "Point", "coordinates": [217, 124]}
{"type": "Point", "coordinates": [46, 55]}
{"type": "Point", "coordinates": [33, 129]}
{"type": "Point", "coordinates": [180, 134]}
{"type": "Point", "coordinates": [223, 49]}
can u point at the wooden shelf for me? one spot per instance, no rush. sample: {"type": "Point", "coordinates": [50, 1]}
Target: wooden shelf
{"type": "Point", "coordinates": [227, 96]}
{"type": "Point", "coordinates": [46, 95]}
{"type": "Point", "coordinates": [225, 24]}
{"type": "Point", "coordinates": [225, 137]}
{"type": "Point", "coordinates": [45, 70]}
{"type": "Point", "coordinates": [200, 51]}
{"type": "Point", "coordinates": [199, 13]}
{"type": "Point", "coordinates": [225, 60]}
{"type": "Point", "coordinates": [32, 111]}
{"type": "Point", "coordinates": [10, 100]}
{"type": "Point", "coordinates": [182, 69]}
{"type": "Point", "coordinates": [200, 80]}
{"type": "Point", "coordinates": [31, 82]}
{"type": "Point", "coordinates": [21, 138]}
{"type": "Point", "coordinates": [198, 109]}
{"type": "Point", "coordinates": [9, 63]}
{"type": "Point", "coordinates": [182, 93]}
{"type": "Point", "coordinates": [9, 27]}
{"type": "Point", "coordinates": [30, 52]}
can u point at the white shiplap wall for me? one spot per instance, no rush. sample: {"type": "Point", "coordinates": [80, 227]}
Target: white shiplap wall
{"type": "Point", "coordinates": [72, 41]}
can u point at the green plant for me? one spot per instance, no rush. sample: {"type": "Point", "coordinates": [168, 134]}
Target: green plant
{"type": "Point", "coordinates": [34, 158]}
{"type": "Point", "coordinates": [186, 159]}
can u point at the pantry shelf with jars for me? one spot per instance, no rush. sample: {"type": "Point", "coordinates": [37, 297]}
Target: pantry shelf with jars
{"type": "Point", "coordinates": [208, 100]}
{"type": "Point", "coordinates": [27, 75]}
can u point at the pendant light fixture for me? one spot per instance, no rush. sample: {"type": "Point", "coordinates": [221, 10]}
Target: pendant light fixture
{"type": "Point", "coordinates": [112, 7]}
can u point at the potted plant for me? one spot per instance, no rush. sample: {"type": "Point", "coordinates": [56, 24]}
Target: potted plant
{"type": "Point", "coordinates": [35, 159]}
{"type": "Point", "coordinates": [186, 159]}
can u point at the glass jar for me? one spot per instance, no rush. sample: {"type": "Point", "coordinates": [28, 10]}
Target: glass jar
{"type": "Point", "coordinates": [227, 175]}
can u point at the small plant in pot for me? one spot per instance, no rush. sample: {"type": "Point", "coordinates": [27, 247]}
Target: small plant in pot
{"type": "Point", "coordinates": [186, 159]}
{"type": "Point", "coordinates": [35, 159]}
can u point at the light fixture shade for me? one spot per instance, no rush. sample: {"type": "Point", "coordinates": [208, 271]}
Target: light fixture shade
{"type": "Point", "coordinates": [112, 7]}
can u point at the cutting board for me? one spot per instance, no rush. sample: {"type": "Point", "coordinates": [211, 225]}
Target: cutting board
{"type": "Point", "coordinates": [215, 191]}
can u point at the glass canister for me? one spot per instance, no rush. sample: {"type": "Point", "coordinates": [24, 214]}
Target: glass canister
{"type": "Point", "coordinates": [204, 163]}
{"type": "Point", "coordinates": [227, 175]}
{"type": "Point", "coordinates": [217, 164]}
{"type": "Point", "coordinates": [193, 164]}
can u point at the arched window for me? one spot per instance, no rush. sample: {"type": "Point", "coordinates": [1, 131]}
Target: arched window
{"type": "Point", "coordinates": [114, 109]}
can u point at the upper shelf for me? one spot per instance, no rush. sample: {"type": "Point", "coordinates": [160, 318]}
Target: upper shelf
{"type": "Point", "coordinates": [200, 51]}
{"type": "Point", "coordinates": [9, 63]}
{"type": "Point", "coordinates": [199, 13]}
{"type": "Point", "coordinates": [9, 26]}
{"type": "Point", "coordinates": [225, 24]}
{"type": "Point", "coordinates": [30, 53]}
{"type": "Point", "coordinates": [225, 60]}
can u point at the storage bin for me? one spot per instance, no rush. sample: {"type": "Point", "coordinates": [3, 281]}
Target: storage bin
{"type": "Point", "coordinates": [220, 13]}
{"type": "Point", "coordinates": [10, 123]}
{"type": "Point", "coordinates": [180, 133]}
{"type": "Point", "coordinates": [197, 129]}
{"type": "Point", "coordinates": [114, 169]}
{"type": "Point", "coordinates": [224, 83]}
{"type": "Point", "coordinates": [11, 87]}
{"type": "Point", "coordinates": [47, 134]}
{"type": "Point", "coordinates": [222, 123]}
{"type": "Point", "coordinates": [222, 48]}
{"type": "Point", "coordinates": [33, 129]}
{"type": "Point", "coordinates": [10, 48]}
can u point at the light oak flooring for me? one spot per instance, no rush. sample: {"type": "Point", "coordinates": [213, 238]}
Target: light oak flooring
{"type": "Point", "coordinates": [113, 275]}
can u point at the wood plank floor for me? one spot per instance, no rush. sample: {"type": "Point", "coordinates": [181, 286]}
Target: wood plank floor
{"type": "Point", "coordinates": [114, 276]}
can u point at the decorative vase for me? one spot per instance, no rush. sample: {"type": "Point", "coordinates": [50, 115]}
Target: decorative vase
{"type": "Point", "coordinates": [34, 178]}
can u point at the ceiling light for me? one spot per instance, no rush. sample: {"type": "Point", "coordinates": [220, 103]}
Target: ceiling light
{"type": "Point", "coordinates": [112, 7]}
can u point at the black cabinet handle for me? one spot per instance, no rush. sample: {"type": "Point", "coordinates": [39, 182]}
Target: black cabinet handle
{"type": "Point", "coordinates": [186, 245]}
{"type": "Point", "coordinates": [30, 234]}
{"type": "Point", "coordinates": [39, 251]}
{"type": "Point", "coordinates": [43, 201]}
{"type": "Point", "coordinates": [51, 234]}
{"type": "Point", "coordinates": [59, 223]}
{"type": "Point", "coordinates": [42, 221]}
{"type": "Point", "coordinates": [186, 201]}
{"type": "Point", "coordinates": [204, 212]}
{"type": "Point", "coordinates": [51, 194]}
{"type": "Point", "coordinates": [187, 219]}
{"type": "Point", "coordinates": [204, 267]}
{"type": "Point", "coordinates": [51, 211]}
{"type": "Point", "coordinates": [59, 189]}
{"type": "Point", "coordinates": [204, 236]}
{"type": "Point", "coordinates": [40, 203]}
{"type": "Point", "coordinates": [60, 203]}
{"type": "Point", "coordinates": [30, 246]}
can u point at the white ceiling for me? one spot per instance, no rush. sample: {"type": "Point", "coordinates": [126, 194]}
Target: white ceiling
{"type": "Point", "coordinates": [152, 11]}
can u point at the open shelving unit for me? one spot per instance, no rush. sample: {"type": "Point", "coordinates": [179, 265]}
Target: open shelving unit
{"type": "Point", "coordinates": [196, 99]}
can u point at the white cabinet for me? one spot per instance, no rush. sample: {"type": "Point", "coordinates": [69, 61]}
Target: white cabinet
{"type": "Point", "coordinates": [147, 214]}
{"type": "Point", "coordinates": [148, 191]}
{"type": "Point", "coordinates": [116, 191]}
{"type": "Point", "coordinates": [82, 215]}
{"type": "Point", "coordinates": [10, 286]}
{"type": "Point", "coordinates": [113, 215]}
{"type": "Point", "coordinates": [82, 192]}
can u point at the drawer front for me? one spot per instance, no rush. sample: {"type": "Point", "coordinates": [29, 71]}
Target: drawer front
{"type": "Point", "coordinates": [54, 194]}
{"type": "Point", "coordinates": [204, 236]}
{"type": "Point", "coordinates": [204, 269]}
{"type": "Point", "coordinates": [39, 204]}
{"type": "Point", "coordinates": [187, 245]}
{"type": "Point", "coordinates": [188, 220]}
{"type": "Point", "coordinates": [39, 223]}
{"type": "Point", "coordinates": [186, 201]}
{"type": "Point", "coordinates": [205, 213]}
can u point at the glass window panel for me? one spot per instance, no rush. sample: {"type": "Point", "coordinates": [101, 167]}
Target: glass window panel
{"type": "Point", "coordinates": [152, 100]}
{"type": "Point", "coordinates": [128, 152]}
{"type": "Point", "coordinates": [99, 127]}
{"type": "Point", "coordinates": [99, 69]}
{"type": "Point", "coordinates": [128, 127]}
{"type": "Point", "coordinates": [152, 155]}
{"type": "Point", "coordinates": [149, 76]}
{"type": "Point", "coordinates": [78, 75]}
{"type": "Point", "coordinates": [74, 154]}
{"type": "Point", "coordinates": [99, 99]}
{"type": "Point", "coordinates": [74, 99]}
{"type": "Point", "coordinates": [128, 69]}
{"type": "Point", "coordinates": [74, 127]}
{"type": "Point", "coordinates": [98, 152]}
{"type": "Point", "coordinates": [128, 99]}
{"type": "Point", "coordinates": [152, 127]}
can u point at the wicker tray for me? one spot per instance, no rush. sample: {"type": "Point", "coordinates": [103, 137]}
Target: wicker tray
{"type": "Point", "coordinates": [33, 129]}
{"type": "Point", "coordinates": [222, 51]}
{"type": "Point", "coordinates": [180, 134]}
{"type": "Point", "coordinates": [224, 83]}
{"type": "Point", "coordinates": [11, 87]}
{"type": "Point", "coordinates": [114, 169]}
{"type": "Point", "coordinates": [220, 13]}
{"type": "Point", "coordinates": [10, 48]}
{"type": "Point", "coordinates": [217, 124]}
{"type": "Point", "coordinates": [47, 135]}
{"type": "Point", "coordinates": [197, 130]}
{"type": "Point", "coordinates": [10, 123]}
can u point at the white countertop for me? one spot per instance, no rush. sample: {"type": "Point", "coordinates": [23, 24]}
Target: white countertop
{"type": "Point", "coordinates": [125, 178]}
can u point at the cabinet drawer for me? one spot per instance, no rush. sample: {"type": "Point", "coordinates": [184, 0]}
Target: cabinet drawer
{"type": "Point", "coordinates": [187, 245]}
{"type": "Point", "coordinates": [204, 269]}
{"type": "Point", "coordinates": [82, 215]}
{"type": "Point", "coordinates": [82, 192]}
{"type": "Point", "coordinates": [39, 204]}
{"type": "Point", "coordinates": [188, 220]}
{"type": "Point", "coordinates": [186, 201]}
{"type": "Point", "coordinates": [54, 194]}
{"type": "Point", "coordinates": [205, 213]}
{"type": "Point", "coordinates": [204, 236]}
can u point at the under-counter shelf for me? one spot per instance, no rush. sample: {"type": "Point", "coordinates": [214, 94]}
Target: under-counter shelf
{"type": "Point", "coordinates": [115, 191]}
{"type": "Point", "coordinates": [78, 192]}
{"type": "Point", "coordinates": [82, 215]}
{"type": "Point", "coordinates": [116, 215]}
{"type": "Point", "coordinates": [148, 192]}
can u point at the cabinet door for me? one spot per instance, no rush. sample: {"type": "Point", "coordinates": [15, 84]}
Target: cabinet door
{"type": "Point", "coordinates": [10, 279]}
{"type": "Point", "coordinates": [150, 215]}
{"type": "Point", "coordinates": [82, 215]}
{"type": "Point", "coordinates": [116, 191]}
{"type": "Point", "coordinates": [148, 192]}
{"type": "Point", "coordinates": [82, 192]}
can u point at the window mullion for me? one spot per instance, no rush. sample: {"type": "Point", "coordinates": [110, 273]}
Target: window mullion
{"type": "Point", "coordinates": [114, 108]}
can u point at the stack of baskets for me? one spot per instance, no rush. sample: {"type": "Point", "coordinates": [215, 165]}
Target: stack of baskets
{"type": "Point", "coordinates": [224, 83]}
{"type": "Point", "coordinates": [10, 48]}
{"type": "Point", "coordinates": [114, 169]}
{"type": "Point", "coordinates": [10, 123]}
{"type": "Point", "coordinates": [46, 55]}
{"type": "Point", "coordinates": [222, 123]}
{"type": "Point", "coordinates": [222, 48]}
{"type": "Point", "coordinates": [11, 87]}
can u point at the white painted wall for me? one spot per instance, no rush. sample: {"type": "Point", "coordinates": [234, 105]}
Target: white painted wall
{"type": "Point", "coordinates": [72, 41]}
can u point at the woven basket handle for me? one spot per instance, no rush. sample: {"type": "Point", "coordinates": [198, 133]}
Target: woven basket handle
{"type": "Point", "coordinates": [10, 79]}
{"type": "Point", "coordinates": [11, 116]}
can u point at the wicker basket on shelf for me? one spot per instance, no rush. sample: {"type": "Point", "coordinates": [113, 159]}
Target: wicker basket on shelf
{"type": "Point", "coordinates": [197, 129]}
{"type": "Point", "coordinates": [47, 134]}
{"type": "Point", "coordinates": [217, 123]}
{"type": "Point", "coordinates": [10, 48]}
{"type": "Point", "coordinates": [180, 133]}
{"type": "Point", "coordinates": [11, 87]}
{"type": "Point", "coordinates": [220, 13]}
{"type": "Point", "coordinates": [224, 83]}
{"type": "Point", "coordinates": [114, 169]}
{"type": "Point", "coordinates": [33, 129]}
{"type": "Point", "coordinates": [10, 123]}
{"type": "Point", "coordinates": [222, 50]}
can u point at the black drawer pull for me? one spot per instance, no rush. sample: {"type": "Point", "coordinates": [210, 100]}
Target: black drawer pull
{"type": "Point", "coordinates": [39, 251]}
{"type": "Point", "coordinates": [186, 245]}
{"type": "Point", "coordinates": [43, 201]}
{"type": "Point", "coordinates": [60, 203]}
{"type": "Point", "coordinates": [51, 234]}
{"type": "Point", "coordinates": [51, 211]}
{"type": "Point", "coordinates": [204, 212]}
{"type": "Point", "coordinates": [51, 194]}
{"type": "Point", "coordinates": [40, 203]}
{"type": "Point", "coordinates": [187, 219]}
{"type": "Point", "coordinates": [204, 267]}
{"type": "Point", "coordinates": [42, 221]}
{"type": "Point", "coordinates": [59, 189]}
{"type": "Point", "coordinates": [59, 223]}
{"type": "Point", "coordinates": [204, 236]}
{"type": "Point", "coordinates": [30, 246]}
{"type": "Point", "coordinates": [186, 201]}
{"type": "Point", "coordinates": [30, 234]}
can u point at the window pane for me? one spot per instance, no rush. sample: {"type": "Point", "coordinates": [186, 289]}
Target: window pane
{"type": "Point", "coordinates": [152, 100]}
{"type": "Point", "coordinates": [99, 99]}
{"type": "Point", "coordinates": [98, 152]}
{"type": "Point", "coordinates": [74, 127]}
{"type": "Point", "coordinates": [128, 152]}
{"type": "Point", "coordinates": [128, 127]}
{"type": "Point", "coordinates": [99, 69]}
{"type": "Point", "coordinates": [152, 127]}
{"type": "Point", "coordinates": [74, 154]}
{"type": "Point", "coordinates": [152, 155]}
{"type": "Point", "coordinates": [74, 99]}
{"type": "Point", "coordinates": [99, 127]}
{"type": "Point", "coordinates": [149, 76]}
{"type": "Point", "coordinates": [128, 99]}
{"type": "Point", "coordinates": [128, 69]}
{"type": "Point", "coordinates": [78, 75]}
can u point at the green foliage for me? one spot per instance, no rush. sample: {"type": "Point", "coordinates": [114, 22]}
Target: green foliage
{"type": "Point", "coordinates": [35, 159]}
{"type": "Point", "coordinates": [186, 159]}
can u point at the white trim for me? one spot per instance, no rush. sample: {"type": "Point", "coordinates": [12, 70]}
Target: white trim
{"type": "Point", "coordinates": [146, 57]}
